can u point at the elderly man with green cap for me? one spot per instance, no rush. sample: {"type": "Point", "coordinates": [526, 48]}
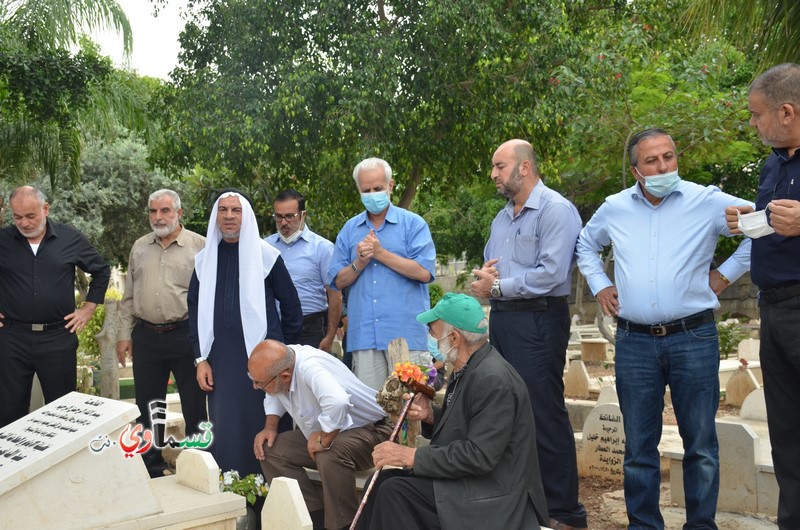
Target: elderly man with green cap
{"type": "Point", "coordinates": [481, 469]}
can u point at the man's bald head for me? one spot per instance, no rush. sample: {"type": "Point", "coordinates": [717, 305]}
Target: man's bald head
{"type": "Point", "coordinates": [269, 359]}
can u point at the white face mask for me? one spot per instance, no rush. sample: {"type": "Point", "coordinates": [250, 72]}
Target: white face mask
{"type": "Point", "coordinates": [292, 238]}
{"type": "Point", "coordinates": [755, 224]}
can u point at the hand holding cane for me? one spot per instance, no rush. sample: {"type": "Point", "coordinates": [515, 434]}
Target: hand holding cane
{"type": "Point", "coordinates": [415, 387]}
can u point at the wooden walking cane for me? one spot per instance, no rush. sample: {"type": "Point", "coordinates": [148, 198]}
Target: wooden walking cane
{"type": "Point", "coordinates": [415, 387]}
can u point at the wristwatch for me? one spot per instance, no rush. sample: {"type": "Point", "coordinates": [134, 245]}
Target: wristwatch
{"type": "Point", "coordinates": [495, 291]}
{"type": "Point", "coordinates": [198, 360]}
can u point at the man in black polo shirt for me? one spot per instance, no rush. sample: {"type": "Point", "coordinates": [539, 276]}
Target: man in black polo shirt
{"type": "Point", "coordinates": [38, 318]}
{"type": "Point", "coordinates": [774, 103]}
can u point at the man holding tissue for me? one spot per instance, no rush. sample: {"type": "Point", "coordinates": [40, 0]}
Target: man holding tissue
{"type": "Point", "coordinates": [774, 103]}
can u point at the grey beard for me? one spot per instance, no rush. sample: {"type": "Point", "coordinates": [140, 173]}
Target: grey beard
{"type": "Point", "coordinates": [230, 235]}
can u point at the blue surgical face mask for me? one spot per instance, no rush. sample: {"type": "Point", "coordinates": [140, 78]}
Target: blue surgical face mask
{"type": "Point", "coordinates": [375, 202]}
{"type": "Point", "coordinates": [433, 348]}
{"type": "Point", "coordinates": [661, 185]}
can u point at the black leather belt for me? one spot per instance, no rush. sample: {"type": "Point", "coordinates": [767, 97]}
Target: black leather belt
{"type": "Point", "coordinates": [166, 327]}
{"type": "Point", "coordinates": [668, 328]}
{"type": "Point", "coordinates": [34, 327]}
{"type": "Point", "coordinates": [526, 304]}
{"type": "Point", "coordinates": [313, 317]}
{"type": "Point", "coordinates": [771, 296]}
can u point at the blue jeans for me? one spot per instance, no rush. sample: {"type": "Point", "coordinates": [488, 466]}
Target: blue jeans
{"type": "Point", "coordinates": [689, 363]}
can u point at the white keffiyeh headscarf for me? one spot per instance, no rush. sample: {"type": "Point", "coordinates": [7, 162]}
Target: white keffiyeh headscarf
{"type": "Point", "coordinates": [256, 259]}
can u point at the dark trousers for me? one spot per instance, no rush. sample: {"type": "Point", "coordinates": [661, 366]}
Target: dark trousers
{"type": "Point", "coordinates": [49, 354]}
{"type": "Point", "coordinates": [780, 364]}
{"type": "Point", "coordinates": [535, 344]}
{"type": "Point", "coordinates": [314, 329]}
{"type": "Point", "coordinates": [400, 501]}
{"type": "Point", "coordinates": [155, 355]}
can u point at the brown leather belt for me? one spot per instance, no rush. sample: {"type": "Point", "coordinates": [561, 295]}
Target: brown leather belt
{"type": "Point", "coordinates": [166, 327]}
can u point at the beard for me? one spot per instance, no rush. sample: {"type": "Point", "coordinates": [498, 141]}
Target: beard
{"type": "Point", "coordinates": [512, 185]}
{"type": "Point", "coordinates": [230, 235]}
{"type": "Point", "coordinates": [164, 231]}
{"type": "Point", "coordinates": [34, 232]}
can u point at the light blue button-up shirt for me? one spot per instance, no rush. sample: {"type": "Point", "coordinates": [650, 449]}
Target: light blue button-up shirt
{"type": "Point", "coordinates": [536, 248]}
{"type": "Point", "coordinates": [382, 304]}
{"type": "Point", "coordinates": [307, 259]}
{"type": "Point", "coordinates": [662, 254]}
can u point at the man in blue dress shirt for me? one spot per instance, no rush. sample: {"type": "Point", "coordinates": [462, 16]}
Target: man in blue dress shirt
{"type": "Point", "coordinates": [774, 102]}
{"type": "Point", "coordinates": [527, 277]}
{"type": "Point", "coordinates": [664, 231]}
{"type": "Point", "coordinates": [307, 257]}
{"type": "Point", "coordinates": [385, 255]}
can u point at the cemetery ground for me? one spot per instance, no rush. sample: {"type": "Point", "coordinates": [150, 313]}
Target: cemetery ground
{"type": "Point", "coordinates": [604, 499]}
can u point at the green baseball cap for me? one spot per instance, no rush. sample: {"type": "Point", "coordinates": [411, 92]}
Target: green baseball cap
{"type": "Point", "coordinates": [459, 310]}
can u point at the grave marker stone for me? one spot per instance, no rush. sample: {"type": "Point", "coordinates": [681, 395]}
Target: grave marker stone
{"type": "Point", "coordinates": [576, 382]}
{"type": "Point", "coordinates": [754, 406]}
{"type": "Point", "coordinates": [284, 507]}
{"type": "Point", "coordinates": [57, 462]}
{"type": "Point", "coordinates": [739, 386]}
{"type": "Point", "coordinates": [604, 442]}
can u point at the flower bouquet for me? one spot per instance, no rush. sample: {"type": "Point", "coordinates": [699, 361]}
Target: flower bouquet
{"type": "Point", "coordinates": [250, 487]}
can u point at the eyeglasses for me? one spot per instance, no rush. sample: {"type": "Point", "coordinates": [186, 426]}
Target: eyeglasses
{"type": "Point", "coordinates": [265, 385]}
{"type": "Point", "coordinates": [289, 217]}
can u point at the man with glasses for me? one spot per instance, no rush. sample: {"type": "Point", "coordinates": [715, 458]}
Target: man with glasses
{"type": "Point", "coordinates": [307, 256]}
{"type": "Point", "coordinates": [153, 314]}
{"type": "Point", "coordinates": [338, 424]}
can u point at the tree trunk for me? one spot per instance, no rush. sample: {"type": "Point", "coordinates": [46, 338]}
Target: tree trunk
{"type": "Point", "coordinates": [107, 340]}
{"type": "Point", "coordinates": [410, 190]}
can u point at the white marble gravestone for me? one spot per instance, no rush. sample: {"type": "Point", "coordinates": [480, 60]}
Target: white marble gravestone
{"type": "Point", "coordinates": [285, 508]}
{"type": "Point", "coordinates": [60, 465]}
{"type": "Point", "coordinates": [604, 442]}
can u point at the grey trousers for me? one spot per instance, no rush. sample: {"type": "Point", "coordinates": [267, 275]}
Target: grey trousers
{"type": "Point", "coordinates": [351, 452]}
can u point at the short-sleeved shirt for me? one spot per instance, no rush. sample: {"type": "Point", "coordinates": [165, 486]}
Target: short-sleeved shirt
{"type": "Point", "coordinates": [383, 305]}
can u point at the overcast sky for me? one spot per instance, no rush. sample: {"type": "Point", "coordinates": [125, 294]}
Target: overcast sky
{"type": "Point", "coordinates": [155, 40]}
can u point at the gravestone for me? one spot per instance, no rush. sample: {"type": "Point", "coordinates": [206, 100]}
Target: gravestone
{"type": "Point", "coordinates": [76, 464]}
{"type": "Point", "coordinates": [608, 394]}
{"type": "Point", "coordinates": [576, 382]}
{"type": "Point", "coordinates": [739, 386]}
{"type": "Point", "coordinates": [754, 406]}
{"type": "Point", "coordinates": [604, 442]}
{"type": "Point", "coordinates": [748, 349]}
{"type": "Point", "coordinates": [57, 462]}
{"type": "Point", "coordinates": [285, 508]}
{"type": "Point", "coordinates": [593, 350]}
{"type": "Point", "coordinates": [197, 470]}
